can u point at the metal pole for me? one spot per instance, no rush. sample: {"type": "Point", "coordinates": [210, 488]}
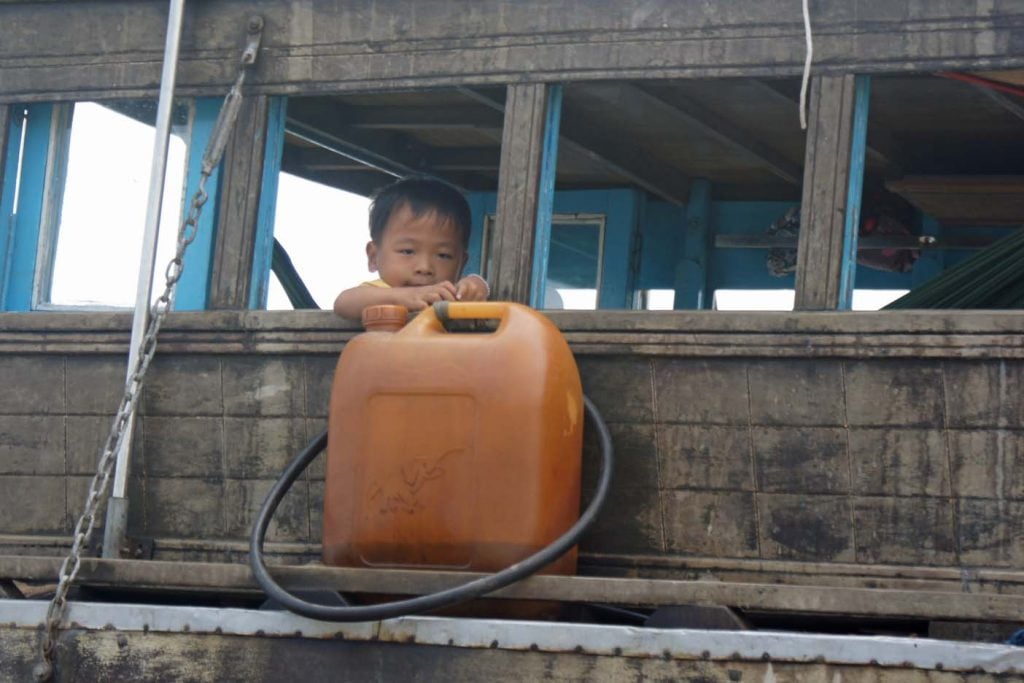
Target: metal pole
{"type": "Point", "coordinates": [117, 505]}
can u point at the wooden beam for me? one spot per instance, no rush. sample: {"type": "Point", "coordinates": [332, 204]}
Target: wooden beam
{"type": "Point", "coordinates": [882, 148]}
{"type": "Point", "coordinates": [241, 180]}
{"type": "Point", "coordinates": [1002, 100]}
{"type": "Point", "coordinates": [579, 136]}
{"type": "Point", "coordinates": [111, 48]}
{"type": "Point", "coordinates": [391, 152]}
{"type": "Point", "coordinates": [510, 248]}
{"type": "Point", "coordinates": [605, 147]}
{"type": "Point", "coordinates": [5, 126]}
{"type": "Point", "coordinates": [464, 159]}
{"type": "Point", "coordinates": [680, 109]}
{"type": "Point", "coordinates": [847, 335]}
{"type": "Point", "coordinates": [195, 577]}
{"type": "Point", "coordinates": [823, 209]}
{"type": "Point", "coordinates": [440, 117]}
{"type": "Point", "coordinates": [363, 181]}
{"type": "Point", "coordinates": [456, 165]}
{"type": "Point", "coordinates": [296, 159]}
{"type": "Point", "coordinates": [766, 241]}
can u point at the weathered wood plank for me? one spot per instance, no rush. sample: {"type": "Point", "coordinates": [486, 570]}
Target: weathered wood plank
{"type": "Point", "coordinates": [685, 111]}
{"type": "Point", "coordinates": [602, 143]}
{"type": "Point", "coordinates": [965, 200]}
{"type": "Point", "coordinates": [5, 125]}
{"type": "Point", "coordinates": [923, 604]}
{"type": "Point", "coordinates": [909, 334]}
{"type": "Point", "coordinates": [510, 248]}
{"type": "Point", "coordinates": [904, 323]}
{"type": "Point", "coordinates": [68, 50]}
{"type": "Point", "coordinates": [863, 346]}
{"type": "Point", "coordinates": [241, 182]}
{"type": "Point", "coordinates": [15, 549]}
{"type": "Point", "coordinates": [579, 137]}
{"type": "Point", "coordinates": [823, 210]}
{"type": "Point", "coordinates": [882, 148]}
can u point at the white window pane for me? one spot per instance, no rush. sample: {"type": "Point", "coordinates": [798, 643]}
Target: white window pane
{"type": "Point", "coordinates": [103, 212]}
{"type": "Point", "coordinates": [277, 298]}
{"type": "Point", "coordinates": [754, 299]}
{"type": "Point", "coordinates": [874, 299]}
{"type": "Point", "coordinates": [325, 231]}
{"type": "Point", "coordinates": [566, 299]}
{"type": "Point", "coordinates": [659, 299]}
{"type": "Point", "coordinates": [574, 263]}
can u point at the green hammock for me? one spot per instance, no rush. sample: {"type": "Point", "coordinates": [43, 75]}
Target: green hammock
{"type": "Point", "coordinates": [992, 278]}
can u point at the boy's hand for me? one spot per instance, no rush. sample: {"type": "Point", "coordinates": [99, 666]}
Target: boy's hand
{"type": "Point", "coordinates": [472, 288]}
{"type": "Point", "coordinates": [417, 298]}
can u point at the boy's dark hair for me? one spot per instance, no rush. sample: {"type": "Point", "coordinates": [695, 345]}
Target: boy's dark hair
{"type": "Point", "coordinates": [421, 195]}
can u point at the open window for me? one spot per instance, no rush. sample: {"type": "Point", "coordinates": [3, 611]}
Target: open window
{"type": "Point", "coordinates": [573, 279]}
{"type": "Point", "coordinates": [645, 175]}
{"type": "Point", "coordinates": [697, 183]}
{"type": "Point", "coordinates": [946, 158]}
{"type": "Point", "coordinates": [76, 185]}
{"type": "Point", "coordinates": [338, 150]}
{"type": "Point", "coordinates": [325, 246]}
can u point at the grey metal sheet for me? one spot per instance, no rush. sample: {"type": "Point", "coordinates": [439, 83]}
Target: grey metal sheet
{"type": "Point", "coordinates": [543, 636]}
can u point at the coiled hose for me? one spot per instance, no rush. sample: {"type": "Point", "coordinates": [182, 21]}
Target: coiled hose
{"type": "Point", "coordinates": [422, 603]}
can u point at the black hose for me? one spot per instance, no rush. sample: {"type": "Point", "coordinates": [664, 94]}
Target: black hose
{"type": "Point", "coordinates": [422, 603]}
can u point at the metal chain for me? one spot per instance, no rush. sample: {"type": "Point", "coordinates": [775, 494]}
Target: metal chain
{"type": "Point", "coordinates": [186, 235]}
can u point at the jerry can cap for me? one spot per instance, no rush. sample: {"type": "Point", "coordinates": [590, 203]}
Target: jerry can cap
{"type": "Point", "coordinates": [385, 317]}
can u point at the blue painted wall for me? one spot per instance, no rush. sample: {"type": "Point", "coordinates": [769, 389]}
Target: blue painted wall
{"type": "Point", "coordinates": [660, 239]}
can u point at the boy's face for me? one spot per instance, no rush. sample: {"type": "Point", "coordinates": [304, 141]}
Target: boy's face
{"type": "Point", "coordinates": [417, 250]}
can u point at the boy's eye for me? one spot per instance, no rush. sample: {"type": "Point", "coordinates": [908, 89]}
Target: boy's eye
{"type": "Point", "coordinates": [406, 251]}
{"type": "Point", "coordinates": [443, 255]}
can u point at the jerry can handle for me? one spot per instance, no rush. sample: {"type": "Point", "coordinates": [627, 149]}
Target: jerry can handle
{"type": "Point", "coordinates": [472, 310]}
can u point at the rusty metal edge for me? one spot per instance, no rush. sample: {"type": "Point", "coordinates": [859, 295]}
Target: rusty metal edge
{"type": "Point", "coordinates": [600, 640]}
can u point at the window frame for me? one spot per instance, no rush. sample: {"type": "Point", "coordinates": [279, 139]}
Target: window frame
{"type": "Point", "coordinates": [34, 181]}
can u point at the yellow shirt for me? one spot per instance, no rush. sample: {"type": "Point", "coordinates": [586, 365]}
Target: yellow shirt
{"type": "Point", "coordinates": [376, 283]}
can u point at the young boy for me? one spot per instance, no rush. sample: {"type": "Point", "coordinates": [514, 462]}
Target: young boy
{"type": "Point", "coordinates": [419, 236]}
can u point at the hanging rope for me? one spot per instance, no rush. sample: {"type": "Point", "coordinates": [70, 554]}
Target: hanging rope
{"type": "Point", "coordinates": [807, 66]}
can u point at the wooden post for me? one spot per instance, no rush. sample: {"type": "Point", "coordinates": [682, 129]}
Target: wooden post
{"type": "Point", "coordinates": [6, 204]}
{"type": "Point", "coordinates": [823, 210]}
{"type": "Point", "coordinates": [522, 144]}
{"type": "Point", "coordinates": [241, 182]}
{"type": "Point", "coordinates": [5, 126]}
{"type": "Point", "coordinates": [691, 276]}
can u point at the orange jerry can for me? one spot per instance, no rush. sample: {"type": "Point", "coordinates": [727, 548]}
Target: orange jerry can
{"type": "Point", "coordinates": [453, 450]}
